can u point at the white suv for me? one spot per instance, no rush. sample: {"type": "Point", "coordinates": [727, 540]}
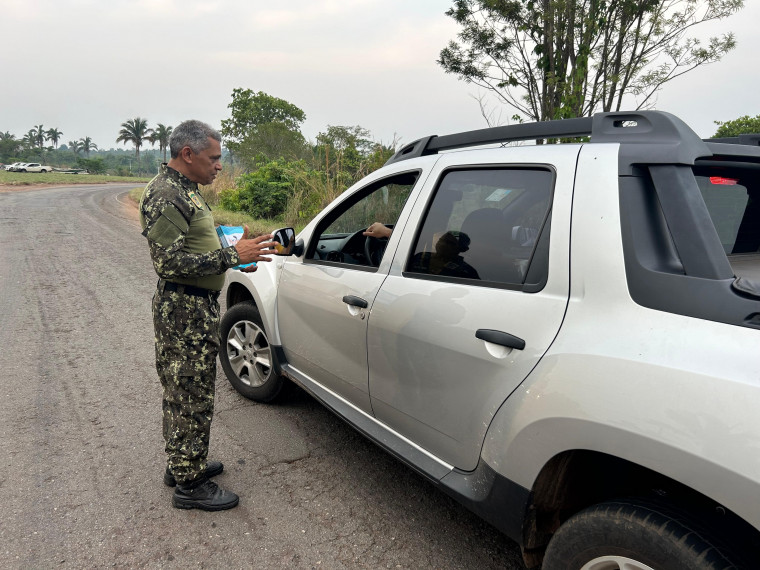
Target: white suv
{"type": "Point", "coordinates": [563, 337]}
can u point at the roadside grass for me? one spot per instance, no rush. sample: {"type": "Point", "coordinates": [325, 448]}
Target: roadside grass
{"type": "Point", "coordinates": [224, 217]}
{"type": "Point", "coordinates": [34, 178]}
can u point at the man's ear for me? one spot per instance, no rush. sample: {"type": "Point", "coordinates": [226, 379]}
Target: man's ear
{"type": "Point", "coordinates": [186, 154]}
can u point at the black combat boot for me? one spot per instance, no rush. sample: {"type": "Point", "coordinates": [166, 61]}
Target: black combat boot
{"type": "Point", "coordinates": [212, 468]}
{"type": "Point", "coordinates": [203, 494]}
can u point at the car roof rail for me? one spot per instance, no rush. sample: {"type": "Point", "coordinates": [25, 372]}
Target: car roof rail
{"type": "Point", "coordinates": [659, 137]}
{"type": "Point", "coordinates": [751, 139]}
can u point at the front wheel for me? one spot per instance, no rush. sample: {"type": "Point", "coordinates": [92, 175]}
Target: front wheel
{"type": "Point", "coordinates": [626, 535]}
{"type": "Point", "coordinates": [246, 355]}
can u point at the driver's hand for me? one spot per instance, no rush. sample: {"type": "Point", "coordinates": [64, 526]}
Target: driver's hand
{"type": "Point", "coordinates": [378, 230]}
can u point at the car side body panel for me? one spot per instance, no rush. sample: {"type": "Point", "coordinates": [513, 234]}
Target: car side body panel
{"type": "Point", "coordinates": [665, 401]}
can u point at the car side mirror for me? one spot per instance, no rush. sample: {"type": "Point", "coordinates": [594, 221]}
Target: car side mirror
{"type": "Point", "coordinates": [285, 242]}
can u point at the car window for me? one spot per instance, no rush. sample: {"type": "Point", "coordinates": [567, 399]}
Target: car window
{"type": "Point", "coordinates": [732, 197]}
{"type": "Point", "coordinates": [339, 236]}
{"type": "Point", "coordinates": [735, 211]}
{"type": "Point", "coordinates": [484, 225]}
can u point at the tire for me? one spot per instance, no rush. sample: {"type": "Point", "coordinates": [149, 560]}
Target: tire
{"type": "Point", "coordinates": [246, 355]}
{"type": "Point", "coordinates": [631, 535]}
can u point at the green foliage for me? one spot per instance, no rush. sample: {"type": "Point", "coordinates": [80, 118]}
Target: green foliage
{"type": "Point", "coordinates": [554, 59]}
{"type": "Point", "coordinates": [263, 193]}
{"type": "Point", "coordinates": [92, 165]}
{"type": "Point", "coordinates": [86, 145]}
{"type": "Point", "coordinates": [268, 142]}
{"type": "Point", "coordinates": [135, 131]}
{"type": "Point", "coordinates": [9, 147]}
{"type": "Point", "coordinates": [742, 125]}
{"type": "Point", "coordinates": [161, 136]}
{"type": "Point", "coordinates": [54, 135]}
{"type": "Point", "coordinates": [347, 154]}
{"type": "Point", "coordinates": [262, 125]}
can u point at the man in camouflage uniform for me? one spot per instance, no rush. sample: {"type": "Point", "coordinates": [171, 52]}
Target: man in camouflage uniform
{"type": "Point", "coordinates": [190, 263]}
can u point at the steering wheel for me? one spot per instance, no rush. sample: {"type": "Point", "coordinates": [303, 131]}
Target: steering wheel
{"type": "Point", "coordinates": [373, 249]}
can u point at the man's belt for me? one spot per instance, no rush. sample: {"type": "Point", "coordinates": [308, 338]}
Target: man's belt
{"type": "Point", "coordinates": [164, 285]}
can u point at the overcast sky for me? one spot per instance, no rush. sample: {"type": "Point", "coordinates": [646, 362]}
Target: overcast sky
{"type": "Point", "coordinates": [86, 66]}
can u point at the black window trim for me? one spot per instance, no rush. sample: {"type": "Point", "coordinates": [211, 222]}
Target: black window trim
{"type": "Point", "coordinates": [541, 242]}
{"type": "Point", "coordinates": [656, 274]}
{"type": "Point", "coordinates": [328, 219]}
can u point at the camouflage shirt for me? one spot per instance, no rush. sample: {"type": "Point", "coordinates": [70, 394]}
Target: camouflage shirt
{"type": "Point", "coordinates": [180, 231]}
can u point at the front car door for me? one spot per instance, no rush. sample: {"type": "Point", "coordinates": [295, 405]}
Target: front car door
{"type": "Point", "coordinates": [324, 299]}
{"type": "Point", "coordinates": [476, 295]}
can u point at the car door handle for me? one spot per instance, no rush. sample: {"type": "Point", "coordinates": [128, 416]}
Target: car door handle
{"type": "Point", "coordinates": [355, 301]}
{"type": "Point", "coordinates": [501, 338]}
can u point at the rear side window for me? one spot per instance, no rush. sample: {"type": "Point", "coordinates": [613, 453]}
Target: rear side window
{"type": "Point", "coordinates": [735, 211]}
{"type": "Point", "coordinates": [484, 225]}
{"type": "Point", "coordinates": [732, 197]}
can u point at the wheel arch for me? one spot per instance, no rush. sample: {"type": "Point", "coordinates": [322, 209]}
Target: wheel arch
{"type": "Point", "coordinates": [259, 288]}
{"type": "Point", "coordinates": [576, 479]}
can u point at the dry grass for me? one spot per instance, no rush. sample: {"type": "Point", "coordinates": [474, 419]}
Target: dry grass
{"type": "Point", "coordinates": [223, 181]}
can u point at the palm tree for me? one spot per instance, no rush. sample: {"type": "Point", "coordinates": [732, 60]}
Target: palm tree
{"type": "Point", "coordinates": [161, 136]}
{"type": "Point", "coordinates": [10, 144]}
{"type": "Point", "coordinates": [135, 131]}
{"type": "Point", "coordinates": [53, 135]}
{"type": "Point", "coordinates": [86, 145]}
{"type": "Point", "coordinates": [75, 147]}
{"type": "Point", "coordinates": [30, 139]}
{"type": "Point", "coordinates": [39, 135]}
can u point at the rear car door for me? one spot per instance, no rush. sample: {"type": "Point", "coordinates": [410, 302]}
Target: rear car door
{"type": "Point", "coordinates": [476, 294]}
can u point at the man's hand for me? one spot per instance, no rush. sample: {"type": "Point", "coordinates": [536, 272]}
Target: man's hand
{"type": "Point", "coordinates": [378, 230]}
{"type": "Point", "coordinates": [255, 249]}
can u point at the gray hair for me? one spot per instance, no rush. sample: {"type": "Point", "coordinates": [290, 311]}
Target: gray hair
{"type": "Point", "coordinates": [194, 134]}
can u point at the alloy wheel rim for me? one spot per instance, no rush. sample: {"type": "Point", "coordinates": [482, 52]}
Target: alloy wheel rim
{"type": "Point", "coordinates": [615, 563]}
{"type": "Point", "coordinates": [249, 353]}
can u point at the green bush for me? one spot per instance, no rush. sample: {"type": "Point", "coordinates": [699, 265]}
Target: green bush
{"type": "Point", "coordinates": [92, 165]}
{"type": "Point", "coordinates": [263, 193]}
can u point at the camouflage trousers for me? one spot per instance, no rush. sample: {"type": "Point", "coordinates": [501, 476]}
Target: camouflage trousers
{"type": "Point", "coordinates": [187, 343]}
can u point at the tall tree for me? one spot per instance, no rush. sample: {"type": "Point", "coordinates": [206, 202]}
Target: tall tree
{"type": "Point", "coordinates": [135, 131]}
{"type": "Point", "coordinates": [161, 136]}
{"type": "Point", "coordinates": [553, 59]}
{"type": "Point", "coordinates": [30, 139]}
{"type": "Point", "coordinates": [53, 135]}
{"type": "Point", "coordinates": [75, 147]}
{"type": "Point", "coordinates": [9, 145]}
{"type": "Point", "coordinates": [86, 145]}
{"type": "Point", "coordinates": [40, 134]}
{"type": "Point", "coordinates": [258, 119]}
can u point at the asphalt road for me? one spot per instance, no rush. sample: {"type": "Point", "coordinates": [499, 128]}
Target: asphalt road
{"type": "Point", "coordinates": [82, 452]}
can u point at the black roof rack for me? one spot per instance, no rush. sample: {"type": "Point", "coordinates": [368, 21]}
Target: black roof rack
{"type": "Point", "coordinates": [749, 139]}
{"type": "Point", "coordinates": [658, 137]}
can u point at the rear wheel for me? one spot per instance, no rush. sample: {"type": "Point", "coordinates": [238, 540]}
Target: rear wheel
{"type": "Point", "coordinates": [628, 535]}
{"type": "Point", "coordinates": [246, 355]}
